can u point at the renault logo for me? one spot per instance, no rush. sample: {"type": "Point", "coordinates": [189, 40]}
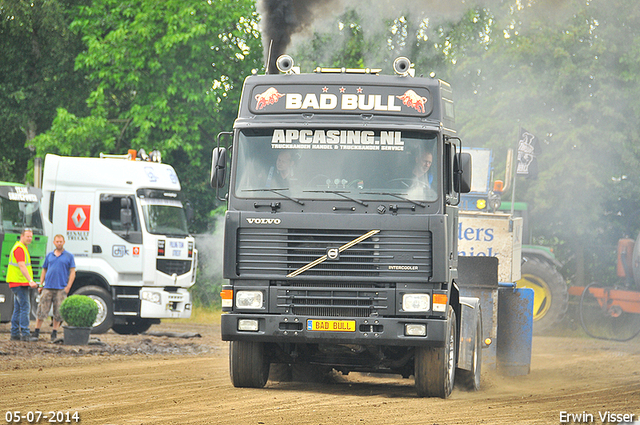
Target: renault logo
{"type": "Point", "coordinates": [333, 254]}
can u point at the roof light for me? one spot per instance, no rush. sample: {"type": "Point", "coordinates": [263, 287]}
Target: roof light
{"type": "Point", "coordinates": [402, 66]}
{"type": "Point", "coordinates": [284, 63]}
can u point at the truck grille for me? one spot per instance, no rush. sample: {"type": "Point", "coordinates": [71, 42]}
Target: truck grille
{"type": "Point", "coordinates": [170, 267]}
{"type": "Point", "coordinates": [321, 301]}
{"type": "Point", "coordinates": [279, 252]}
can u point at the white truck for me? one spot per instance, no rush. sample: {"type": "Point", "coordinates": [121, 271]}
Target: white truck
{"type": "Point", "coordinates": [123, 220]}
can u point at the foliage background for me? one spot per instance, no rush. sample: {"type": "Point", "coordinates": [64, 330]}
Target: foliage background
{"type": "Point", "coordinates": [82, 77]}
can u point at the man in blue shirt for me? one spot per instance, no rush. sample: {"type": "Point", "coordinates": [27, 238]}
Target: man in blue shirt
{"type": "Point", "coordinates": [58, 274]}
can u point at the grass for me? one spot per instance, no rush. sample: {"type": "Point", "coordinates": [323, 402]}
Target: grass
{"type": "Point", "coordinates": [201, 315]}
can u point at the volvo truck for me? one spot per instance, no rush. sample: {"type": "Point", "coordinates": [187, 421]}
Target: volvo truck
{"type": "Point", "coordinates": [340, 249]}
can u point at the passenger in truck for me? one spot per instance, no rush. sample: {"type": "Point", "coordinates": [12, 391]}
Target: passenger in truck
{"type": "Point", "coordinates": [281, 175]}
{"type": "Point", "coordinates": [421, 176]}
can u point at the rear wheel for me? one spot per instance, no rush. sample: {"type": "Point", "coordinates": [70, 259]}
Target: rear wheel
{"type": "Point", "coordinates": [470, 379]}
{"type": "Point", "coordinates": [434, 368]}
{"type": "Point", "coordinates": [281, 372]}
{"type": "Point", "coordinates": [248, 364]}
{"type": "Point", "coordinates": [104, 319]}
{"type": "Point", "coordinates": [550, 293]}
{"type": "Point", "coordinates": [307, 372]}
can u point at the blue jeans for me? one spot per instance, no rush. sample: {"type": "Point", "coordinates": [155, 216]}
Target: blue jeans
{"type": "Point", "coordinates": [21, 310]}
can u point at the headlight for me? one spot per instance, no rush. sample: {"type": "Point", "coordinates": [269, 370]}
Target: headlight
{"type": "Point", "coordinates": [249, 299]}
{"type": "Point", "coordinates": [415, 329]}
{"type": "Point", "coordinates": [250, 325]}
{"type": "Point", "coordinates": [151, 296]}
{"type": "Point", "coordinates": [415, 302]}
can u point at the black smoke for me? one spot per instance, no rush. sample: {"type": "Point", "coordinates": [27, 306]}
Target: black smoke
{"type": "Point", "coordinates": [283, 18]}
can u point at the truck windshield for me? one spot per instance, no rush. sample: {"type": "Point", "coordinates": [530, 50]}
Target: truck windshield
{"type": "Point", "coordinates": [164, 217]}
{"type": "Point", "coordinates": [334, 163]}
{"type": "Point", "coordinates": [16, 215]}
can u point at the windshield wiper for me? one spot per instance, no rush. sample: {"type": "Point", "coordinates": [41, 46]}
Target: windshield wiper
{"type": "Point", "coordinates": [397, 195]}
{"type": "Point", "coordinates": [276, 191]}
{"type": "Point", "coordinates": [340, 193]}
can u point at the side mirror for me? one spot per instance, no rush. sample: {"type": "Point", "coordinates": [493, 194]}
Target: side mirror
{"type": "Point", "coordinates": [462, 173]}
{"type": "Point", "coordinates": [218, 167]}
{"type": "Point", "coordinates": [188, 210]}
{"type": "Point", "coordinates": [126, 218]}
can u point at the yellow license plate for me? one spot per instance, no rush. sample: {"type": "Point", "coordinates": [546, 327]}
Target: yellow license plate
{"type": "Point", "coordinates": [331, 325]}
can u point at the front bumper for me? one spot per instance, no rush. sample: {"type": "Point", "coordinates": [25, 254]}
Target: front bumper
{"type": "Point", "coordinates": [170, 305]}
{"type": "Point", "coordinates": [368, 331]}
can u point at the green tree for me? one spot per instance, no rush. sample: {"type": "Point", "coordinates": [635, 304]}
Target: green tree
{"type": "Point", "coordinates": [37, 76]}
{"type": "Point", "coordinates": [166, 76]}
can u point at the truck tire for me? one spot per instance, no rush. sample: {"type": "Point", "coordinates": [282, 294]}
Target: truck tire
{"type": "Point", "coordinates": [435, 367]}
{"type": "Point", "coordinates": [550, 293]}
{"type": "Point", "coordinates": [469, 380]}
{"type": "Point", "coordinates": [104, 320]}
{"type": "Point", "coordinates": [248, 365]}
{"type": "Point", "coordinates": [134, 327]}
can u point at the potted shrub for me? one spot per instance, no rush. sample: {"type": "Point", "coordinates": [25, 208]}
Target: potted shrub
{"type": "Point", "coordinates": [79, 313]}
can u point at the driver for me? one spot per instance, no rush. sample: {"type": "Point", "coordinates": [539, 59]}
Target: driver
{"type": "Point", "coordinates": [281, 175]}
{"type": "Point", "coordinates": [421, 176]}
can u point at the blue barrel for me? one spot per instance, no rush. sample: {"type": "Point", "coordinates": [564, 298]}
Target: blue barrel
{"type": "Point", "coordinates": [515, 331]}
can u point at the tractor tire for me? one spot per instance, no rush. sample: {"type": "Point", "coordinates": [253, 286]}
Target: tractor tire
{"type": "Point", "coordinates": [104, 320]}
{"type": "Point", "coordinates": [248, 364]}
{"type": "Point", "coordinates": [435, 367]}
{"type": "Point", "coordinates": [550, 293]}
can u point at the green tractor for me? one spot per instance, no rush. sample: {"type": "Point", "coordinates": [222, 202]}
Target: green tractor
{"type": "Point", "coordinates": [19, 209]}
{"type": "Point", "coordinates": [539, 268]}
{"type": "Point", "coordinates": [539, 271]}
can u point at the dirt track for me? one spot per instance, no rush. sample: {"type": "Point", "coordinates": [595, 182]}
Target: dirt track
{"type": "Point", "coordinates": [186, 381]}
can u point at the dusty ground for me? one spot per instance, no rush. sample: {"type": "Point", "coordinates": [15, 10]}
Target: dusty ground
{"type": "Point", "coordinates": [166, 380]}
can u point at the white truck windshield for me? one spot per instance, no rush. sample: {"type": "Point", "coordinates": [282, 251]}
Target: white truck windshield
{"type": "Point", "coordinates": [15, 216]}
{"type": "Point", "coordinates": [325, 163]}
{"type": "Point", "coordinates": [164, 217]}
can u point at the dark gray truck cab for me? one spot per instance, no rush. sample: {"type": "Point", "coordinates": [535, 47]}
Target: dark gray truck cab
{"type": "Point", "coordinates": [340, 253]}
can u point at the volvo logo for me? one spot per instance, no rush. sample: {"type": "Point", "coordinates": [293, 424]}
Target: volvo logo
{"type": "Point", "coordinates": [264, 221]}
{"type": "Point", "coordinates": [333, 254]}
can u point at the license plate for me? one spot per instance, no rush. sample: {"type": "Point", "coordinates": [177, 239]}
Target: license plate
{"type": "Point", "coordinates": [331, 325]}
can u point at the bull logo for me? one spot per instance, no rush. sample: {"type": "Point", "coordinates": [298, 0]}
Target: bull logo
{"type": "Point", "coordinates": [268, 97]}
{"type": "Point", "coordinates": [413, 100]}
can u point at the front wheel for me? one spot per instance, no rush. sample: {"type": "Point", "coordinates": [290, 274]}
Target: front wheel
{"type": "Point", "coordinates": [248, 364]}
{"type": "Point", "coordinates": [104, 319]}
{"type": "Point", "coordinates": [434, 367]}
{"type": "Point", "coordinates": [133, 327]}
